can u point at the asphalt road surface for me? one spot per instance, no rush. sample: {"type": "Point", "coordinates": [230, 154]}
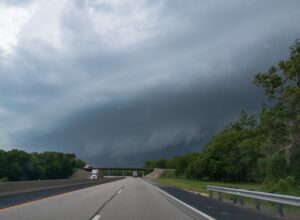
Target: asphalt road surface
{"type": "Point", "coordinates": [217, 209]}
{"type": "Point", "coordinates": [126, 199]}
{"type": "Point", "coordinates": [17, 198]}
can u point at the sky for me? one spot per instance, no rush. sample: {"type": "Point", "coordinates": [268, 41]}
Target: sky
{"type": "Point", "coordinates": [119, 82]}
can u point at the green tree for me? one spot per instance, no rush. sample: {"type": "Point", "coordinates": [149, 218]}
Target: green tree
{"type": "Point", "coordinates": [231, 155]}
{"type": "Point", "coordinates": [161, 163]}
{"type": "Point", "coordinates": [180, 163]}
{"type": "Point", "coordinates": [79, 163]}
{"type": "Point", "coordinates": [18, 165]}
{"type": "Point", "coordinates": [280, 117]}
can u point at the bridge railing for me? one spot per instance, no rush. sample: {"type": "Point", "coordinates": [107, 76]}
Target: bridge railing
{"type": "Point", "coordinates": [239, 194]}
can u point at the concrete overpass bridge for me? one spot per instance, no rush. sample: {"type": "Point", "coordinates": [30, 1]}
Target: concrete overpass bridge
{"type": "Point", "coordinates": [121, 171]}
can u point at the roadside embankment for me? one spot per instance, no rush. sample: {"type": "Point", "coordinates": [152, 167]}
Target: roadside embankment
{"type": "Point", "coordinates": [156, 173]}
{"type": "Point", "coordinates": [81, 174]}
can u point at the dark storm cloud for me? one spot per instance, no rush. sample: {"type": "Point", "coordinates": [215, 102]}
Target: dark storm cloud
{"type": "Point", "coordinates": [119, 84]}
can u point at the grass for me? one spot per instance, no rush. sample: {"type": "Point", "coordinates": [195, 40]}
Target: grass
{"type": "Point", "coordinates": [200, 186]}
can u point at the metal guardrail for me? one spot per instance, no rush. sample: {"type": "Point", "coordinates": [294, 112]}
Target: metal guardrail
{"type": "Point", "coordinates": [257, 196]}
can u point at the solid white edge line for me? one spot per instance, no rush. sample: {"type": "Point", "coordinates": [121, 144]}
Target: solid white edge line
{"type": "Point", "coordinates": [183, 203]}
{"type": "Point", "coordinates": [96, 217]}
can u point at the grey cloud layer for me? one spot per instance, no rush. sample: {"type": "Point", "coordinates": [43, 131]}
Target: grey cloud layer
{"type": "Point", "coordinates": [178, 75]}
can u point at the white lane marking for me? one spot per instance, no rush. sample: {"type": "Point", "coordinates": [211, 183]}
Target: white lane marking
{"type": "Point", "coordinates": [209, 207]}
{"type": "Point", "coordinates": [120, 191]}
{"type": "Point", "coordinates": [183, 203]}
{"type": "Point", "coordinates": [96, 217]}
{"type": "Point", "coordinates": [224, 213]}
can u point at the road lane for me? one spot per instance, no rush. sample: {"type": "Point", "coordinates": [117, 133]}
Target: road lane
{"type": "Point", "coordinates": [19, 198]}
{"type": "Point", "coordinates": [139, 200]}
{"type": "Point", "coordinates": [76, 205]}
{"type": "Point", "coordinates": [126, 199]}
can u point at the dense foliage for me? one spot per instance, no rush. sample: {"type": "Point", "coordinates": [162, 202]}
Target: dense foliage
{"type": "Point", "coordinates": [18, 165]}
{"type": "Point", "coordinates": [263, 148]}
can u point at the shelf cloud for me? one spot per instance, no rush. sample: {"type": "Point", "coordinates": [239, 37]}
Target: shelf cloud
{"type": "Point", "coordinates": [121, 81]}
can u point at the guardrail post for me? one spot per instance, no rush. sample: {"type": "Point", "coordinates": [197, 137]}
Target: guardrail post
{"type": "Point", "coordinates": [241, 200]}
{"type": "Point", "coordinates": [220, 196]}
{"type": "Point", "coordinates": [280, 209]}
{"type": "Point", "coordinates": [210, 193]}
{"type": "Point", "coordinates": [257, 204]}
{"type": "Point", "coordinates": [234, 199]}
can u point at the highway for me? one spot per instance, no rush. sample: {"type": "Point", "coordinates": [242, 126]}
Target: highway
{"type": "Point", "coordinates": [126, 199]}
{"type": "Point", "coordinates": [18, 194]}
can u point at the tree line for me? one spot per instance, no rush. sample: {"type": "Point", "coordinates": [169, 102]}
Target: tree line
{"type": "Point", "coordinates": [263, 148]}
{"type": "Point", "coordinates": [16, 165]}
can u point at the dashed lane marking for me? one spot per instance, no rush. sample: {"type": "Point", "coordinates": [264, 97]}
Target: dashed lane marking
{"type": "Point", "coordinates": [96, 217]}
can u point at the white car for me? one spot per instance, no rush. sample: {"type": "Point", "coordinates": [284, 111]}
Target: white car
{"type": "Point", "coordinates": [94, 177]}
